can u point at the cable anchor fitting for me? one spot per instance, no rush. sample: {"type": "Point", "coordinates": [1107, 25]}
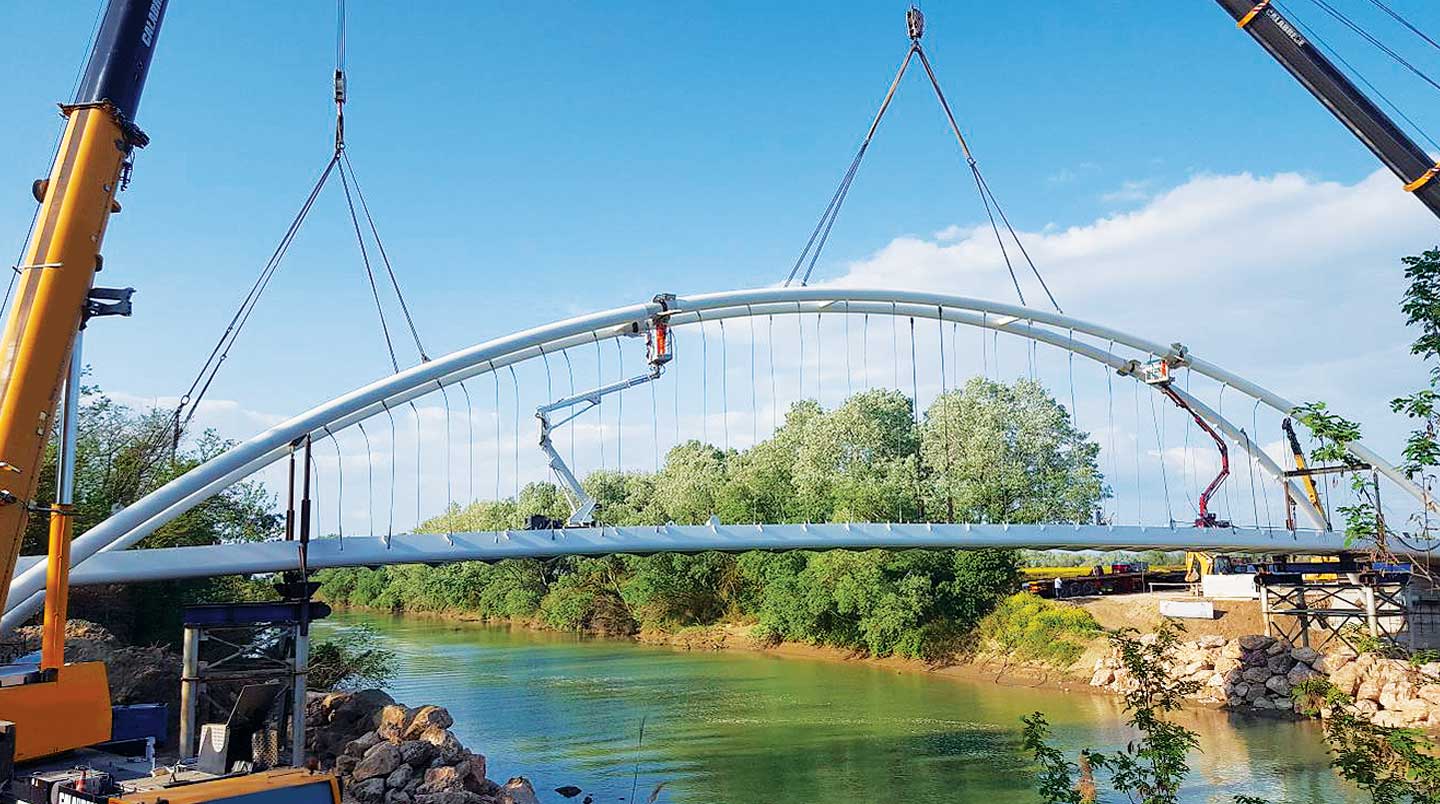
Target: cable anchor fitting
{"type": "Point", "coordinates": [915, 23]}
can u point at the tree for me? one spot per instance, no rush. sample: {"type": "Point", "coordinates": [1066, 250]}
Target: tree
{"type": "Point", "coordinates": [1007, 453]}
{"type": "Point", "coordinates": [121, 455]}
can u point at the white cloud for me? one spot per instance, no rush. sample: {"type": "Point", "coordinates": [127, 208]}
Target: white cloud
{"type": "Point", "coordinates": [1130, 192]}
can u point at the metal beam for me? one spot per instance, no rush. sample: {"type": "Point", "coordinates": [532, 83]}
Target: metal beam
{"type": "Point", "coordinates": [142, 518]}
{"type": "Point", "coordinates": [258, 557]}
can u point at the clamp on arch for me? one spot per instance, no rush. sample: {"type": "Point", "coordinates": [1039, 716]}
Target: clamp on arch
{"type": "Point", "coordinates": [140, 519]}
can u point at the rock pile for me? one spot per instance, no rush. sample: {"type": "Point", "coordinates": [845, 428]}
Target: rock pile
{"type": "Point", "coordinates": [1260, 673]}
{"type": "Point", "coordinates": [1392, 691]}
{"type": "Point", "coordinates": [387, 753]}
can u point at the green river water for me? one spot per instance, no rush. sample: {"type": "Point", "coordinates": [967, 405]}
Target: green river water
{"type": "Point", "coordinates": [747, 727]}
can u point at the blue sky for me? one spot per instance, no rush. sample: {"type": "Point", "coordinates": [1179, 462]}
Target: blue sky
{"type": "Point", "coordinates": [528, 163]}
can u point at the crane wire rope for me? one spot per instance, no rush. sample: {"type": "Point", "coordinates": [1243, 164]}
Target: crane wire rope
{"type": "Point", "coordinates": [1311, 34]}
{"type": "Point", "coordinates": [820, 234]}
{"type": "Point", "coordinates": [1398, 17]}
{"type": "Point", "coordinates": [1375, 42]}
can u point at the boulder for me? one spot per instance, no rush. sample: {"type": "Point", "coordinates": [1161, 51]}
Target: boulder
{"type": "Point", "coordinates": [1300, 673]}
{"type": "Point", "coordinates": [1368, 689]}
{"type": "Point", "coordinates": [401, 777]}
{"type": "Point", "coordinates": [345, 765]}
{"type": "Point", "coordinates": [447, 749]}
{"type": "Point", "coordinates": [1278, 685]}
{"type": "Point", "coordinates": [1430, 693]}
{"type": "Point", "coordinates": [370, 791]}
{"type": "Point", "coordinates": [426, 718]}
{"type": "Point", "coordinates": [381, 760]}
{"type": "Point", "coordinates": [1256, 675]}
{"type": "Point", "coordinates": [453, 797]}
{"type": "Point", "coordinates": [1395, 693]}
{"type": "Point", "coordinates": [1256, 641]}
{"type": "Point", "coordinates": [518, 791]}
{"type": "Point", "coordinates": [1240, 691]}
{"type": "Point", "coordinates": [358, 747]}
{"type": "Point", "coordinates": [440, 780]}
{"type": "Point", "coordinates": [1232, 650]}
{"type": "Point", "coordinates": [1225, 664]}
{"type": "Point", "coordinates": [1365, 706]}
{"type": "Point", "coordinates": [393, 720]}
{"type": "Point", "coordinates": [1304, 654]}
{"type": "Point", "coordinates": [1345, 678]}
{"type": "Point", "coordinates": [398, 797]}
{"type": "Point", "coordinates": [417, 753]}
{"type": "Point", "coordinates": [1215, 680]}
{"type": "Point", "coordinates": [1431, 669]}
{"type": "Point", "coordinates": [1102, 677]}
{"type": "Point", "coordinates": [1211, 641]}
{"type": "Point", "coordinates": [1278, 647]}
{"type": "Point", "coordinates": [471, 773]}
{"type": "Point", "coordinates": [1388, 719]}
{"type": "Point", "coordinates": [1282, 703]}
{"type": "Point", "coordinates": [1280, 663]}
{"type": "Point", "coordinates": [1262, 702]}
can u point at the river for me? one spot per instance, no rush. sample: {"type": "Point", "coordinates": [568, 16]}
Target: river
{"type": "Point", "coordinates": [746, 727]}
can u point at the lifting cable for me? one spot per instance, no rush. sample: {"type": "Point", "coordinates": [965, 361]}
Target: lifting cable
{"type": "Point", "coordinates": [1340, 17]}
{"type": "Point", "coordinates": [810, 255]}
{"type": "Point", "coordinates": [339, 162]}
{"type": "Point", "coordinates": [1395, 15]}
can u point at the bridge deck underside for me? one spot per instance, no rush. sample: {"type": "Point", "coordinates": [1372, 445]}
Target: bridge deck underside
{"type": "Point", "coordinates": [119, 566]}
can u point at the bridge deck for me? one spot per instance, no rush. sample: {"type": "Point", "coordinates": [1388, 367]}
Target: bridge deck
{"type": "Point", "coordinates": [118, 566]}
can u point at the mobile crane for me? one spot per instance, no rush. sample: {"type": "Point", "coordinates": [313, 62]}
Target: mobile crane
{"type": "Point", "coordinates": [60, 707]}
{"type": "Point", "coordinates": [1282, 39]}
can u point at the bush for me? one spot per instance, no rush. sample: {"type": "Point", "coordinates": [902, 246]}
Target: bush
{"type": "Point", "coordinates": [1032, 629]}
{"type": "Point", "coordinates": [349, 658]}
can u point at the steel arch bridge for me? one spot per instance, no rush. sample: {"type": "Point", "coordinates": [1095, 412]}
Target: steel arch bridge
{"type": "Point", "coordinates": [99, 555]}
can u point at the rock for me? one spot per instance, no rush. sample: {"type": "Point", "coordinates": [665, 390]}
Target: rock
{"type": "Point", "coordinates": [1216, 680]}
{"type": "Point", "coordinates": [1346, 678]}
{"type": "Point", "coordinates": [1241, 690]}
{"type": "Point", "coordinates": [1300, 673]}
{"type": "Point", "coordinates": [1256, 642]}
{"type": "Point", "coordinates": [401, 777]}
{"type": "Point", "coordinates": [1282, 704]}
{"type": "Point", "coordinates": [1262, 702]}
{"type": "Point", "coordinates": [440, 780]}
{"type": "Point", "coordinates": [1365, 706]}
{"type": "Point", "coordinates": [569, 791]}
{"type": "Point", "coordinates": [1280, 663]}
{"type": "Point", "coordinates": [358, 746]}
{"type": "Point", "coordinates": [1304, 654]}
{"type": "Point", "coordinates": [1388, 719]}
{"type": "Point", "coordinates": [1255, 675]}
{"type": "Point", "coordinates": [1102, 677]}
{"type": "Point", "coordinates": [1225, 664]}
{"type": "Point", "coordinates": [398, 797]}
{"type": "Point", "coordinates": [1211, 641]}
{"type": "Point", "coordinates": [1278, 685]}
{"type": "Point", "coordinates": [453, 797]}
{"type": "Point", "coordinates": [518, 791]}
{"type": "Point", "coordinates": [417, 753]}
{"type": "Point", "coordinates": [471, 773]}
{"type": "Point", "coordinates": [426, 718]}
{"type": "Point", "coordinates": [1431, 669]}
{"type": "Point", "coordinates": [370, 791]}
{"type": "Point", "coordinates": [381, 760]}
{"type": "Point", "coordinates": [447, 749]}
{"type": "Point", "coordinates": [1278, 647]}
{"type": "Point", "coordinates": [1395, 693]}
{"type": "Point", "coordinates": [1232, 650]}
{"type": "Point", "coordinates": [1368, 689]}
{"type": "Point", "coordinates": [345, 765]}
{"type": "Point", "coordinates": [1430, 693]}
{"type": "Point", "coordinates": [1257, 691]}
{"type": "Point", "coordinates": [393, 720]}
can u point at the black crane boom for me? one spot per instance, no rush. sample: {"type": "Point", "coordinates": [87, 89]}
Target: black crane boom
{"type": "Point", "coordinates": [1283, 40]}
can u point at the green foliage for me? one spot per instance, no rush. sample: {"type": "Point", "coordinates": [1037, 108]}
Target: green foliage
{"type": "Point", "coordinates": [865, 460]}
{"type": "Point", "coordinates": [1148, 770]}
{"type": "Point", "coordinates": [1363, 520]}
{"type": "Point", "coordinates": [122, 454]}
{"type": "Point", "coordinates": [1394, 765]}
{"type": "Point", "coordinates": [348, 658]}
{"type": "Point", "coordinates": [1030, 628]}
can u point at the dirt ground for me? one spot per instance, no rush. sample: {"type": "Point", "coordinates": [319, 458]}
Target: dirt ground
{"type": "Point", "coordinates": [1233, 618]}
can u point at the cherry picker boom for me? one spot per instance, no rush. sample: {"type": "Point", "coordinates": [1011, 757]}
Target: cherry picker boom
{"type": "Point", "coordinates": [658, 354]}
{"type": "Point", "coordinates": [1283, 40]}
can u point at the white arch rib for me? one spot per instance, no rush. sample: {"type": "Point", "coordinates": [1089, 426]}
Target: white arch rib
{"type": "Point", "coordinates": [135, 522]}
